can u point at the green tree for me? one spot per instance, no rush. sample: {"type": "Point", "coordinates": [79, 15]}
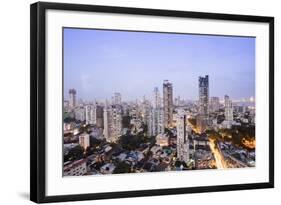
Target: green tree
{"type": "Point", "coordinates": [131, 142]}
{"type": "Point", "coordinates": [122, 167]}
{"type": "Point", "coordinates": [75, 153]}
{"type": "Point", "coordinates": [95, 142]}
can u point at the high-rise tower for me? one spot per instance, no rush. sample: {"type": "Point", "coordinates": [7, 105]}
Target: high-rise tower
{"type": "Point", "coordinates": [182, 137]}
{"type": "Point", "coordinates": [157, 100]}
{"type": "Point", "coordinates": [228, 109]}
{"type": "Point", "coordinates": [168, 103]}
{"type": "Point", "coordinates": [203, 111]}
{"type": "Point", "coordinates": [72, 98]}
{"type": "Point", "coordinates": [112, 117]}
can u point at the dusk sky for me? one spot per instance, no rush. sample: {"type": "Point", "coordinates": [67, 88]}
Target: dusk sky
{"type": "Point", "coordinates": [98, 63]}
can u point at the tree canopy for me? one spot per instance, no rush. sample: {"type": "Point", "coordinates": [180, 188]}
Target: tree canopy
{"type": "Point", "coordinates": [122, 167]}
{"type": "Point", "coordinates": [75, 153]}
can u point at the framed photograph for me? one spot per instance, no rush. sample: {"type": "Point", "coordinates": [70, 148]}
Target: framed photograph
{"type": "Point", "coordinates": [129, 102]}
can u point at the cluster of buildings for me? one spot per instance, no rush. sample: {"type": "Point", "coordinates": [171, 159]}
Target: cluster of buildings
{"type": "Point", "coordinates": [177, 142]}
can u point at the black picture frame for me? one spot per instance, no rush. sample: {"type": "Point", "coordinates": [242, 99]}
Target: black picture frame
{"type": "Point", "coordinates": [38, 100]}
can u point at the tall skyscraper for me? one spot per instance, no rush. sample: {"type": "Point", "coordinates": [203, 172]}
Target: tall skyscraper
{"type": "Point", "coordinates": [98, 115]}
{"type": "Point", "coordinates": [89, 114]}
{"type": "Point", "coordinates": [168, 103]}
{"type": "Point", "coordinates": [116, 114]}
{"type": "Point", "coordinates": [151, 131]}
{"type": "Point", "coordinates": [145, 109]}
{"type": "Point", "coordinates": [72, 98]}
{"type": "Point", "coordinates": [202, 118]}
{"type": "Point", "coordinates": [228, 109]}
{"type": "Point", "coordinates": [203, 95]}
{"type": "Point", "coordinates": [214, 104]}
{"type": "Point", "coordinates": [156, 115]}
{"type": "Point", "coordinates": [155, 121]}
{"type": "Point", "coordinates": [182, 137]}
{"type": "Point", "coordinates": [106, 122]}
{"type": "Point", "coordinates": [112, 122]}
{"type": "Point", "coordinates": [157, 99]}
{"type": "Point", "coordinates": [160, 126]}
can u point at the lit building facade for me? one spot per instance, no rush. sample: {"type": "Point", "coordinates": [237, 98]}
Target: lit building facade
{"type": "Point", "coordinates": [162, 140]}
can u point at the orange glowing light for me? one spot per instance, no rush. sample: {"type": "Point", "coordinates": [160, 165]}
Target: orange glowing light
{"type": "Point", "coordinates": [220, 163]}
{"type": "Point", "coordinates": [249, 143]}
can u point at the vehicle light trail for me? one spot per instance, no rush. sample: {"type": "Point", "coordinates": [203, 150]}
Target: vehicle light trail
{"type": "Point", "coordinates": [220, 163]}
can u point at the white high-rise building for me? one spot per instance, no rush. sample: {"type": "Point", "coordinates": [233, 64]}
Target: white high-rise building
{"type": "Point", "coordinates": [156, 121]}
{"type": "Point", "coordinates": [214, 104]}
{"type": "Point", "coordinates": [145, 109]}
{"type": "Point", "coordinates": [228, 109]}
{"type": "Point", "coordinates": [156, 115]}
{"type": "Point", "coordinates": [72, 98]}
{"type": "Point", "coordinates": [151, 123]}
{"type": "Point", "coordinates": [93, 115]}
{"type": "Point", "coordinates": [160, 125]}
{"type": "Point", "coordinates": [157, 99]}
{"type": "Point", "coordinates": [84, 140]}
{"type": "Point", "coordinates": [90, 114]}
{"type": "Point", "coordinates": [106, 122]}
{"type": "Point", "coordinates": [116, 114]}
{"type": "Point", "coordinates": [112, 122]}
{"type": "Point", "coordinates": [182, 137]}
{"type": "Point", "coordinates": [168, 103]}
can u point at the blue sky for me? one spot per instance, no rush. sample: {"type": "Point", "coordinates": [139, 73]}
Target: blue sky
{"type": "Point", "coordinates": [98, 63]}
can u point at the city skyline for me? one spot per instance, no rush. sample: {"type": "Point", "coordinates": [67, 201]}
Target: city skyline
{"type": "Point", "coordinates": [146, 136]}
{"type": "Point", "coordinates": [99, 75]}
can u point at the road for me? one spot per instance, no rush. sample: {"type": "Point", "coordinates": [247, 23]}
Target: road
{"type": "Point", "coordinates": [220, 162]}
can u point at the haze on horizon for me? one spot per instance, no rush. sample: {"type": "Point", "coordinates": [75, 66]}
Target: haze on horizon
{"type": "Point", "coordinates": [98, 63]}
